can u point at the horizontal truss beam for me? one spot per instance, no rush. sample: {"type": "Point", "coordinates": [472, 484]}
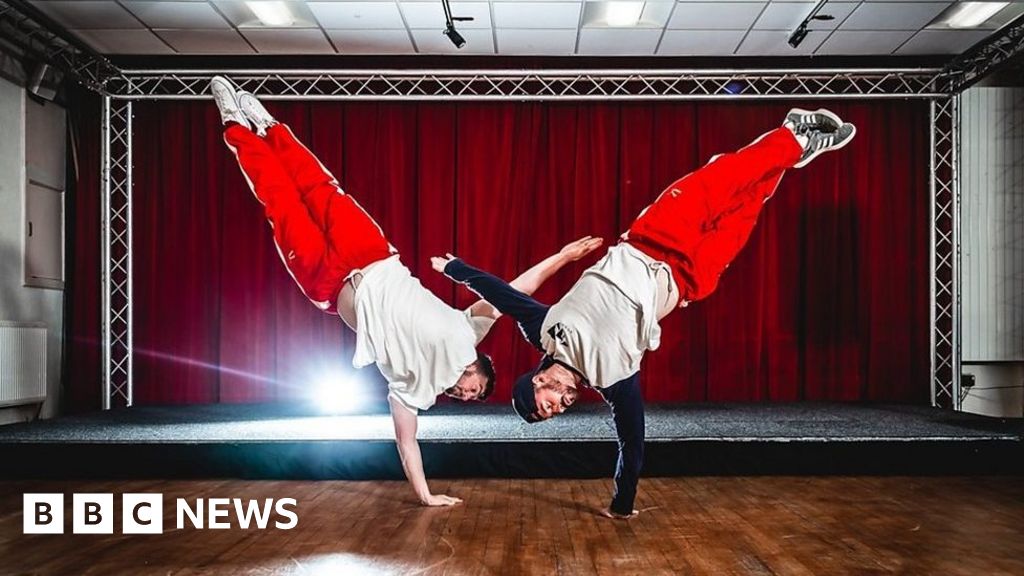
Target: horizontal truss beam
{"type": "Point", "coordinates": [450, 85]}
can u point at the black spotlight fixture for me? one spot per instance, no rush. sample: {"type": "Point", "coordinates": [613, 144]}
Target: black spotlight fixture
{"type": "Point", "coordinates": [454, 36]}
{"type": "Point", "coordinates": [800, 33]}
{"type": "Point", "coordinates": [449, 25]}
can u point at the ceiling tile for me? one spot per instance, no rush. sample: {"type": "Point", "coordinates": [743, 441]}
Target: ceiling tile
{"type": "Point", "coordinates": [434, 42]}
{"type": "Point", "coordinates": [177, 14]}
{"type": "Point", "coordinates": [431, 14]}
{"type": "Point", "coordinates": [288, 41]}
{"type": "Point", "coordinates": [942, 41]}
{"type": "Point", "coordinates": [357, 15]}
{"type": "Point", "coordinates": [700, 42]}
{"type": "Point", "coordinates": [89, 14]}
{"type": "Point", "coordinates": [874, 43]}
{"type": "Point", "coordinates": [776, 43]}
{"type": "Point", "coordinates": [893, 15]}
{"type": "Point", "coordinates": [537, 15]}
{"type": "Point", "coordinates": [206, 41]}
{"type": "Point", "coordinates": [789, 15]}
{"type": "Point", "coordinates": [618, 41]}
{"type": "Point", "coordinates": [549, 42]}
{"type": "Point", "coordinates": [371, 41]}
{"type": "Point", "coordinates": [715, 15]}
{"type": "Point", "coordinates": [123, 41]}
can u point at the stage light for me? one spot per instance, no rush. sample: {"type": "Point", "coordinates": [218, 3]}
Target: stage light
{"type": "Point", "coordinates": [801, 31]}
{"type": "Point", "coordinates": [623, 13]}
{"type": "Point", "coordinates": [339, 393]}
{"type": "Point", "coordinates": [454, 36]}
{"type": "Point", "coordinates": [271, 12]}
{"type": "Point", "coordinates": [973, 14]}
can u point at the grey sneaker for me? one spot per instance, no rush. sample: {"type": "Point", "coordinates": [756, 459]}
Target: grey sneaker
{"type": "Point", "coordinates": [820, 142]}
{"type": "Point", "coordinates": [802, 121]}
{"type": "Point", "coordinates": [225, 97]}
{"type": "Point", "coordinates": [255, 112]}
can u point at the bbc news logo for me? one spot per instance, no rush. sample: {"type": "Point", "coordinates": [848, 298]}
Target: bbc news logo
{"type": "Point", "coordinates": [143, 513]}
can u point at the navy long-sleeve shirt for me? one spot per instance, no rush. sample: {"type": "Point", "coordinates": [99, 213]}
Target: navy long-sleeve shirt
{"type": "Point", "coordinates": [623, 397]}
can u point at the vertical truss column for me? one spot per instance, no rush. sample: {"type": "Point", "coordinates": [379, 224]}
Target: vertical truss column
{"type": "Point", "coordinates": [116, 281]}
{"type": "Point", "coordinates": [945, 252]}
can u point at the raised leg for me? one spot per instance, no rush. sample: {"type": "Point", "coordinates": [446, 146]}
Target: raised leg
{"type": "Point", "coordinates": [299, 240]}
{"type": "Point", "coordinates": [702, 220]}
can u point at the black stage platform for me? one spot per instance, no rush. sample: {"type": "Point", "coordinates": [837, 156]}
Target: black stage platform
{"type": "Point", "coordinates": [293, 441]}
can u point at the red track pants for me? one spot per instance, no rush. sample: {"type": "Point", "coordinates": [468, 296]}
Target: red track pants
{"type": "Point", "coordinates": [321, 233]}
{"type": "Point", "coordinates": [700, 222]}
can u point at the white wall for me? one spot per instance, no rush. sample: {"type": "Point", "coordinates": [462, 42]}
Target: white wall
{"type": "Point", "coordinates": [992, 243]}
{"type": "Point", "coordinates": [17, 302]}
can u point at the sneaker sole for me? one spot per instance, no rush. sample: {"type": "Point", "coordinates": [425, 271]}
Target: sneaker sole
{"type": "Point", "coordinates": [838, 146]}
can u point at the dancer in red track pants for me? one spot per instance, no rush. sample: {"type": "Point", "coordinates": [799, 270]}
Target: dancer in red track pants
{"type": "Point", "coordinates": [342, 262]}
{"type": "Point", "coordinates": [673, 254]}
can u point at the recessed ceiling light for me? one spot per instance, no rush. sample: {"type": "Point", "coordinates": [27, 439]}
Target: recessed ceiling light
{"type": "Point", "coordinates": [271, 12]}
{"type": "Point", "coordinates": [624, 13]}
{"type": "Point", "coordinates": [973, 14]}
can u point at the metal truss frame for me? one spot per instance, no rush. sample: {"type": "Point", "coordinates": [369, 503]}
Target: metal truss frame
{"type": "Point", "coordinates": [32, 33]}
{"type": "Point", "coordinates": [448, 85]}
{"type": "Point", "coordinates": [116, 256]}
{"type": "Point", "coordinates": [984, 58]}
{"type": "Point", "coordinates": [944, 254]}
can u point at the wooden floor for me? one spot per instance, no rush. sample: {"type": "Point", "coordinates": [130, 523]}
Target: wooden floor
{"type": "Point", "coordinates": [765, 525]}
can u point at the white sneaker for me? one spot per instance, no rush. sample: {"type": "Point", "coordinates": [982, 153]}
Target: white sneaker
{"type": "Point", "coordinates": [225, 96]}
{"type": "Point", "coordinates": [255, 112]}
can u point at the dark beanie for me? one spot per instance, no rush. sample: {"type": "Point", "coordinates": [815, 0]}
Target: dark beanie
{"type": "Point", "coordinates": [523, 400]}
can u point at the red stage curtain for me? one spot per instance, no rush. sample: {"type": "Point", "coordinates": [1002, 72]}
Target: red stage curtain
{"type": "Point", "coordinates": [828, 301]}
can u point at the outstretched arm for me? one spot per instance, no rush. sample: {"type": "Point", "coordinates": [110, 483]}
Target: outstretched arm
{"type": "Point", "coordinates": [627, 406]}
{"type": "Point", "coordinates": [530, 281]}
{"type": "Point", "coordinates": [409, 452]}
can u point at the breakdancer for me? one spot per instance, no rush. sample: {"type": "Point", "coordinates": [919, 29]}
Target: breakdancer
{"type": "Point", "coordinates": [342, 262]}
{"type": "Point", "coordinates": [672, 254]}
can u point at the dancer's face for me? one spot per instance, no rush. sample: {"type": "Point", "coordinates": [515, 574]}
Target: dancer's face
{"type": "Point", "coordinates": [469, 387]}
{"type": "Point", "coordinates": [555, 389]}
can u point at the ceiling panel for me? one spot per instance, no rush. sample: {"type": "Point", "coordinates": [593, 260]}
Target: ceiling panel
{"type": "Point", "coordinates": [371, 41]}
{"type": "Point", "coordinates": [304, 41]}
{"type": "Point", "coordinates": [551, 42]}
{"type": "Point", "coordinates": [942, 41]}
{"type": "Point", "coordinates": [431, 14]}
{"type": "Point", "coordinates": [715, 15]}
{"type": "Point", "coordinates": [893, 15]}
{"type": "Point", "coordinates": [177, 14]}
{"type": "Point", "coordinates": [357, 15]}
{"type": "Point", "coordinates": [789, 15]}
{"type": "Point", "coordinates": [206, 41]}
{"type": "Point", "coordinates": [700, 42]}
{"type": "Point", "coordinates": [124, 41]}
{"type": "Point", "coordinates": [776, 43]}
{"type": "Point", "coordinates": [618, 41]}
{"type": "Point", "coordinates": [434, 42]}
{"type": "Point", "coordinates": [547, 27]}
{"type": "Point", "coordinates": [537, 15]}
{"type": "Point", "coordinates": [89, 14]}
{"type": "Point", "coordinates": [864, 42]}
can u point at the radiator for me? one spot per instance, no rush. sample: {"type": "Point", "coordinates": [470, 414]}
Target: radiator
{"type": "Point", "coordinates": [22, 363]}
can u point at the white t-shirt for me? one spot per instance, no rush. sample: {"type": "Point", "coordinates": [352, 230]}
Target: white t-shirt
{"type": "Point", "coordinates": [420, 344]}
{"type": "Point", "coordinates": [606, 322]}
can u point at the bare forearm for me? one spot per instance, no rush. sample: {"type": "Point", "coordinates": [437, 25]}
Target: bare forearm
{"type": "Point", "coordinates": [412, 464]}
{"type": "Point", "coordinates": [530, 281]}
